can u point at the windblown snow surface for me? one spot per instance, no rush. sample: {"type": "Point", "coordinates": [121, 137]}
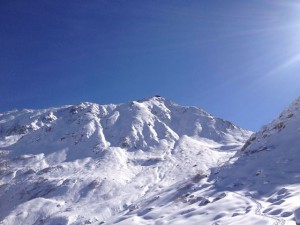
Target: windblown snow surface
{"type": "Point", "coordinates": [146, 162]}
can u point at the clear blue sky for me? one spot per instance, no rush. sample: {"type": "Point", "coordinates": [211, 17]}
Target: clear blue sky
{"type": "Point", "coordinates": [239, 60]}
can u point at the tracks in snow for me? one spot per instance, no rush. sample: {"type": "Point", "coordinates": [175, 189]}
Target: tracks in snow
{"type": "Point", "coordinates": [258, 210]}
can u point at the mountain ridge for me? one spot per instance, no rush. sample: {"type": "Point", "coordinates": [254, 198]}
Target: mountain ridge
{"type": "Point", "coordinates": [149, 161]}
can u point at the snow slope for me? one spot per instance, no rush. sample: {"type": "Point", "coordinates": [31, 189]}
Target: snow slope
{"type": "Point", "coordinates": [134, 163]}
{"type": "Point", "coordinates": [268, 167]}
{"type": "Point", "coordinates": [259, 184]}
{"type": "Point", "coordinates": [147, 162]}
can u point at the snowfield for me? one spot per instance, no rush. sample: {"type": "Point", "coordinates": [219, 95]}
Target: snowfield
{"type": "Point", "coordinates": [150, 161]}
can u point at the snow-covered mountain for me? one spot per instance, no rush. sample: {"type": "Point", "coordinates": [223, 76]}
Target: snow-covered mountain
{"type": "Point", "coordinates": [146, 162]}
{"type": "Point", "coordinates": [88, 162]}
{"type": "Point", "coordinates": [268, 168]}
{"type": "Point", "coordinates": [90, 128]}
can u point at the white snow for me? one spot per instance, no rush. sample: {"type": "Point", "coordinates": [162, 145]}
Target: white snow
{"type": "Point", "coordinates": [297, 215]}
{"type": "Point", "coordinates": [145, 162]}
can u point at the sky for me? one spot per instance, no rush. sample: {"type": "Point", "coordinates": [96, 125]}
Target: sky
{"type": "Point", "coordinates": [239, 60]}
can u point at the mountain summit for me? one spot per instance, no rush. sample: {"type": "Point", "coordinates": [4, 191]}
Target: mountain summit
{"type": "Point", "coordinates": [88, 128]}
{"type": "Point", "coordinates": [149, 161]}
{"type": "Point", "coordinates": [87, 163]}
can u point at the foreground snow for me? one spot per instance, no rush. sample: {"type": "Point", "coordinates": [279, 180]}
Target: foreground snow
{"type": "Point", "coordinates": [146, 162]}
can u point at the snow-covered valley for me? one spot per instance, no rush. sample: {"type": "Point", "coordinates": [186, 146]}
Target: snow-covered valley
{"type": "Point", "coordinates": [150, 161]}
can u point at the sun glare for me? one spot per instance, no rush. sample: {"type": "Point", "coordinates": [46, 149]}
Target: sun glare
{"type": "Point", "coordinates": [289, 31]}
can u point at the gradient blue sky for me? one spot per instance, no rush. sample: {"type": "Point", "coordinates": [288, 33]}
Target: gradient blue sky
{"type": "Point", "coordinates": [239, 60]}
